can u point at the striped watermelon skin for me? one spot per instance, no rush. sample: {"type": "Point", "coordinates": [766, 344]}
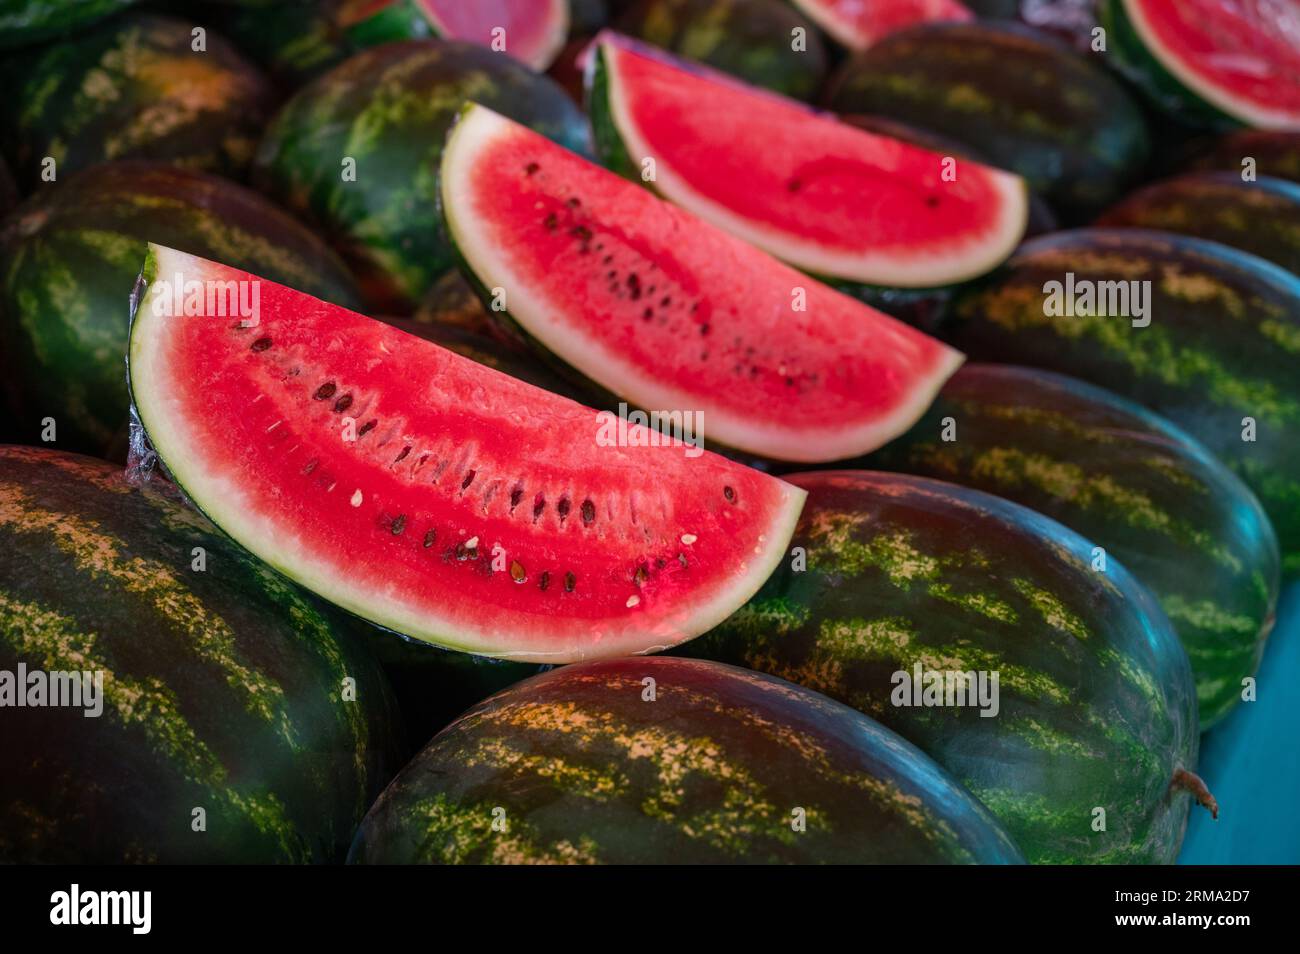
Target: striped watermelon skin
{"type": "Point", "coordinates": [1223, 345]}
{"type": "Point", "coordinates": [1274, 153]}
{"type": "Point", "coordinates": [750, 39]}
{"type": "Point", "coordinates": [70, 257]}
{"type": "Point", "coordinates": [133, 89]}
{"type": "Point", "coordinates": [1261, 217]}
{"type": "Point", "coordinates": [1074, 133]}
{"type": "Point", "coordinates": [1131, 482]}
{"type": "Point", "coordinates": [1097, 704]}
{"type": "Point", "coordinates": [25, 22]}
{"type": "Point", "coordinates": [661, 760]}
{"type": "Point", "coordinates": [223, 689]}
{"type": "Point", "coordinates": [389, 109]}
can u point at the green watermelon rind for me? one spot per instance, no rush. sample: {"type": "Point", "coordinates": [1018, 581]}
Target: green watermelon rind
{"type": "Point", "coordinates": [1184, 96]}
{"type": "Point", "coordinates": [612, 150]}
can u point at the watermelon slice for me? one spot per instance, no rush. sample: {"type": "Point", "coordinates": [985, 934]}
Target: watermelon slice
{"type": "Point", "coordinates": [532, 31]}
{"type": "Point", "coordinates": [671, 313]}
{"type": "Point", "coordinates": [857, 24]}
{"type": "Point", "coordinates": [430, 494]}
{"type": "Point", "coordinates": [827, 197]}
{"type": "Point", "coordinates": [1239, 58]}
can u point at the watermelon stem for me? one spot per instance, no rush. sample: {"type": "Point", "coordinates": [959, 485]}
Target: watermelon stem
{"type": "Point", "coordinates": [1191, 782]}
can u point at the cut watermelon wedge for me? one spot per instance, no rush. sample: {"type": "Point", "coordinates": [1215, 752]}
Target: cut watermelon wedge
{"type": "Point", "coordinates": [430, 494]}
{"type": "Point", "coordinates": [671, 313]}
{"type": "Point", "coordinates": [1239, 57]}
{"type": "Point", "coordinates": [857, 24]}
{"type": "Point", "coordinates": [532, 31]}
{"type": "Point", "coordinates": [827, 197]}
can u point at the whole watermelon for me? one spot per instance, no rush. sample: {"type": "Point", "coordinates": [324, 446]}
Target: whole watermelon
{"type": "Point", "coordinates": [1217, 354]}
{"type": "Point", "coordinates": [26, 22]}
{"type": "Point", "coordinates": [1261, 216]}
{"type": "Point", "coordinates": [658, 760]}
{"type": "Point", "coordinates": [1128, 480]}
{"type": "Point", "coordinates": [133, 88]}
{"type": "Point", "coordinates": [1079, 746]}
{"type": "Point", "coordinates": [751, 39]}
{"type": "Point", "coordinates": [357, 151]}
{"type": "Point", "coordinates": [1021, 100]}
{"type": "Point", "coordinates": [237, 723]}
{"type": "Point", "coordinates": [70, 256]}
{"type": "Point", "coordinates": [1254, 153]}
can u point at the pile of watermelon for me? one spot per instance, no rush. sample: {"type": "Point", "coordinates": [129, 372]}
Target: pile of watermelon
{"type": "Point", "coordinates": [673, 430]}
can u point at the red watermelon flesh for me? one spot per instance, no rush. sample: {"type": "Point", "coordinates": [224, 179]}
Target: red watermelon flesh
{"type": "Point", "coordinates": [533, 31]}
{"type": "Point", "coordinates": [825, 196]}
{"type": "Point", "coordinates": [1241, 56]}
{"type": "Point", "coordinates": [430, 494]}
{"type": "Point", "coordinates": [859, 23]}
{"type": "Point", "coordinates": [671, 313]}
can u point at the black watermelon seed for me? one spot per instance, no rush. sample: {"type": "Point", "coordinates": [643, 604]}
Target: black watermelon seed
{"type": "Point", "coordinates": [399, 524]}
{"type": "Point", "coordinates": [574, 202]}
{"type": "Point", "coordinates": [544, 581]}
{"type": "Point", "coordinates": [261, 344]}
{"type": "Point", "coordinates": [588, 513]}
{"type": "Point", "coordinates": [343, 403]}
{"type": "Point", "coordinates": [531, 168]}
{"type": "Point", "coordinates": [563, 507]}
{"type": "Point", "coordinates": [729, 494]}
{"type": "Point", "coordinates": [367, 427]}
{"type": "Point", "coordinates": [325, 391]}
{"type": "Point", "coordinates": [469, 479]}
{"type": "Point", "coordinates": [640, 575]}
{"type": "Point", "coordinates": [402, 456]}
{"type": "Point", "coordinates": [516, 495]}
{"type": "Point", "coordinates": [429, 537]}
{"type": "Point", "coordinates": [539, 504]}
{"type": "Point", "coordinates": [551, 222]}
{"type": "Point", "coordinates": [570, 581]}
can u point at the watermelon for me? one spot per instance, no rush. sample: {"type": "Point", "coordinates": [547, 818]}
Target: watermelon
{"type": "Point", "coordinates": [835, 200]}
{"type": "Point", "coordinates": [1221, 346]}
{"type": "Point", "coordinates": [133, 88]}
{"type": "Point", "coordinates": [296, 426]}
{"type": "Point", "coordinates": [453, 302]}
{"type": "Point", "coordinates": [671, 313]}
{"type": "Point", "coordinates": [672, 761]}
{"type": "Point", "coordinates": [293, 41]}
{"type": "Point", "coordinates": [1253, 153]}
{"type": "Point", "coordinates": [1261, 217]}
{"type": "Point", "coordinates": [223, 687]}
{"type": "Point", "coordinates": [532, 31]}
{"type": "Point", "coordinates": [908, 580]}
{"type": "Point", "coordinates": [1222, 62]}
{"type": "Point", "coordinates": [752, 39]}
{"type": "Point", "coordinates": [25, 22]}
{"type": "Point", "coordinates": [856, 25]}
{"type": "Point", "coordinates": [383, 115]}
{"type": "Point", "coordinates": [70, 255]}
{"type": "Point", "coordinates": [1126, 479]}
{"type": "Point", "coordinates": [1073, 131]}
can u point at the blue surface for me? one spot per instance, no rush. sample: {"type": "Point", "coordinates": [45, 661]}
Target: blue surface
{"type": "Point", "coordinates": [1251, 762]}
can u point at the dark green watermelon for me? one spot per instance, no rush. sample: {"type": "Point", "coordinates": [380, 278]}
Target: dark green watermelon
{"type": "Point", "coordinates": [223, 688]}
{"type": "Point", "coordinates": [661, 760]}
{"type": "Point", "coordinates": [751, 39]}
{"type": "Point", "coordinates": [1126, 479]}
{"type": "Point", "coordinates": [1261, 217]}
{"type": "Point", "coordinates": [1254, 152]}
{"type": "Point", "coordinates": [69, 258]}
{"type": "Point", "coordinates": [388, 110]}
{"type": "Point", "coordinates": [1222, 345]}
{"type": "Point", "coordinates": [26, 22]}
{"type": "Point", "coordinates": [133, 88]}
{"type": "Point", "coordinates": [1026, 102]}
{"type": "Point", "coordinates": [1095, 705]}
{"type": "Point", "coordinates": [294, 41]}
